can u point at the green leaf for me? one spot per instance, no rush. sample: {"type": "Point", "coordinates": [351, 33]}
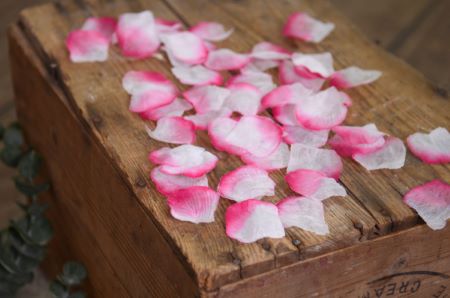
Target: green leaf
{"type": "Point", "coordinates": [38, 233]}
{"type": "Point", "coordinates": [11, 155]}
{"type": "Point", "coordinates": [2, 131]}
{"type": "Point", "coordinates": [15, 278]}
{"type": "Point", "coordinates": [29, 189]}
{"type": "Point", "coordinates": [35, 252]}
{"type": "Point", "coordinates": [25, 264]}
{"type": "Point", "coordinates": [29, 165]}
{"type": "Point", "coordinates": [79, 294]}
{"type": "Point", "coordinates": [58, 290]}
{"type": "Point", "coordinates": [73, 273]}
{"type": "Point", "coordinates": [13, 136]}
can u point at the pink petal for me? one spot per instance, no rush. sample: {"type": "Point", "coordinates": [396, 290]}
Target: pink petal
{"type": "Point", "coordinates": [149, 90]}
{"type": "Point", "coordinates": [322, 110]}
{"type": "Point", "coordinates": [314, 184]}
{"type": "Point", "coordinates": [218, 130]}
{"type": "Point", "coordinates": [252, 220]}
{"type": "Point", "coordinates": [225, 59]}
{"type": "Point", "coordinates": [286, 114]}
{"type": "Point", "coordinates": [202, 121]}
{"type": "Point", "coordinates": [104, 25]}
{"type": "Point", "coordinates": [87, 46]}
{"type": "Point", "coordinates": [188, 160]}
{"type": "Point", "coordinates": [285, 94]}
{"type": "Point", "coordinates": [302, 26]}
{"type": "Point", "coordinates": [167, 184]}
{"type": "Point", "coordinates": [247, 182]}
{"type": "Point", "coordinates": [206, 98]}
{"type": "Point", "coordinates": [197, 75]}
{"type": "Point", "coordinates": [432, 202]}
{"type": "Point", "coordinates": [353, 76]}
{"type": "Point", "coordinates": [259, 65]}
{"type": "Point", "coordinates": [276, 160]}
{"type": "Point", "coordinates": [196, 204]}
{"type": "Point", "coordinates": [137, 35]}
{"type": "Point", "coordinates": [259, 79]}
{"type": "Point", "coordinates": [244, 99]}
{"type": "Point", "coordinates": [211, 31]}
{"type": "Point", "coordinates": [288, 75]}
{"type": "Point", "coordinates": [175, 108]}
{"type": "Point", "coordinates": [167, 26]}
{"type": "Point", "coordinates": [390, 156]}
{"type": "Point", "coordinates": [310, 158]}
{"type": "Point", "coordinates": [173, 130]}
{"type": "Point", "coordinates": [431, 148]}
{"type": "Point", "coordinates": [351, 140]}
{"type": "Point", "coordinates": [301, 135]}
{"type": "Point", "coordinates": [186, 47]}
{"type": "Point", "coordinates": [304, 213]}
{"type": "Point", "coordinates": [313, 66]}
{"type": "Point", "coordinates": [269, 51]}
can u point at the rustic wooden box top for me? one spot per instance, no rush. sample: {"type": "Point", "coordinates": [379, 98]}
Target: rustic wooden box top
{"type": "Point", "coordinates": [400, 102]}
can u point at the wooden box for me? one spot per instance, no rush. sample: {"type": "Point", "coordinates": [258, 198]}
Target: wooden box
{"type": "Point", "coordinates": [108, 215]}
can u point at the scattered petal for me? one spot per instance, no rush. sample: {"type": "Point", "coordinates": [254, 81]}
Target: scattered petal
{"type": "Point", "coordinates": [87, 46]}
{"type": "Point", "coordinates": [226, 59]}
{"type": "Point", "coordinates": [288, 75]}
{"type": "Point", "coordinates": [260, 65]}
{"type": "Point", "coordinates": [173, 130]}
{"type": "Point", "coordinates": [313, 66]}
{"type": "Point", "coordinates": [244, 99]}
{"type": "Point", "coordinates": [211, 31]}
{"type": "Point", "coordinates": [390, 156]}
{"type": "Point", "coordinates": [185, 47]}
{"type": "Point", "coordinates": [207, 98]}
{"type": "Point", "coordinates": [285, 94]}
{"type": "Point", "coordinates": [269, 51]}
{"type": "Point", "coordinates": [197, 75]}
{"type": "Point", "coordinates": [202, 121]}
{"type": "Point", "coordinates": [167, 26]}
{"type": "Point", "coordinates": [261, 80]}
{"type": "Point", "coordinates": [302, 26]}
{"type": "Point", "coordinates": [196, 204]}
{"type": "Point", "coordinates": [304, 213]}
{"type": "Point", "coordinates": [353, 76]}
{"type": "Point", "coordinates": [247, 182]}
{"type": "Point", "coordinates": [277, 160]}
{"type": "Point", "coordinates": [286, 114]}
{"type": "Point", "coordinates": [432, 148]}
{"type": "Point", "coordinates": [175, 108]}
{"type": "Point", "coordinates": [301, 135]}
{"type": "Point", "coordinates": [310, 158]}
{"type": "Point", "coordinates": [252, 220]}
{"type": "Point", "coordinates": [167, 184]}
{"type": "Point", "coordinates": [104, 25]}
{"type": "Point", "coordinates": [218, 130]}
{"type": "Point", "coordinates": [188, 160]}
{"type": "Point", "coordinates": [432, 202]}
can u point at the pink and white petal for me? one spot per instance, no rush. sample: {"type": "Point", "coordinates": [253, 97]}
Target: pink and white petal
{"type": "Point", "coordinates": [346, 149]}
{"type": "Point", "coordinates": [175, 108]}
{"type": "Point", "coordinates": [353, 76]}
{"type": "Point", "coordinates": [432, 202]}
{"type": "Point", "coordinates": [202, 121]}
{"type": "Point", "coordinates": [305, 213]}
{"type": "Point", "coordinates": [207, 98]}
{"type": "Point", "coordinates": [286, 114]}
{"type": "Point", "coordinates": [285, 94]}
{"type": "Point", "coordinates": [310, 158]}
{"type": "Point", "coordinates": [314, 184]}
{"type": "Point", "coordinates": [104, 25]}
{"type": "Point", "coordinates": [196, 204]}
{"type": "Point", "coordinates": [257, 135]}
{"type": "Point", "coordinates": [138, 81]}
{"type": "Point", "coordinates": [277, 160]}
{"type": "Point", "coordinates": [218, 130]}
{"type": "Point", "coordinates": [260, 65]}
{"type": "Point", "coordinates": [226, 59]}
{"type": "Point", "coordinates": [150, 99]}
{"type": "Point", "coordinates": [137, 35]}
{"type": "Point", "coordinates": [269, 51]}
{"type": "Point", "coordinates": [299, 134]}
{"type": "Point", "coordinates": [313, 66]}
{"type": "Point", "coordinates": [185, 47]}
{"type": "Point", "coordinates": [390, 156]}
{"type": "Point", "coordinates": [288, 75]}
{"type": "Point", "coordinates": [167, 26]}
{"type": "Point", "coordinates": [188, 160]}
{"type": "Point", "coordinates": [323, 110]}
{"type": "Point", "coordinates": [211, 31]}
{"type": "Point", "coordinates": [304, 27]}
{"type": "Point", "coordinates": [244, 99]}
{"type": "Point", "coordinates": [251, 220]}
{"type": "Point", "coordinates": [261, 80]}
{"type": "Point", "coordinates": [197, 75]}
{"type": "Point", "coordinates": [432, 148]}
{"type": "Point", "coordinates": [173, 130]}
{"type": "Point", "coordinates": [87, 46]}
{"type": "Point", "coordinates": [247, 182]}
{"type": "Point", "coordinates": [167, 184]}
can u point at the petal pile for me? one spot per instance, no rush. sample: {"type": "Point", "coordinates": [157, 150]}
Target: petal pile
{"type": "Point", "coordinates": [432, 148]}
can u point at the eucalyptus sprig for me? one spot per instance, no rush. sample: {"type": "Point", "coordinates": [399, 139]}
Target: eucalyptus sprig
{"type": "Point", "coordinates": [65, 284]}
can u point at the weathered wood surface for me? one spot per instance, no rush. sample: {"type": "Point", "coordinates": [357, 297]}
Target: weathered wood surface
{"type": "Point", "coordinates": [399, 103]}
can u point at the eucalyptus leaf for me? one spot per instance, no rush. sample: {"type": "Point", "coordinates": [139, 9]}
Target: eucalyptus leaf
{"type": "Point", "coordinates": [40, 231]}
{"type": "Point", "coordinates": [13, 136]}
{"type": "Point", "coordinates": [73, 273]}
{"type": "Point", "coordinates": [79, 294]}
{"type": "Point", "coordinates": [15, 278]}
{"type": "Point", "coordinates": [29, 165]}
{"type": "Point", "coordinates": [35, 252]}
{"type": "Point", "coordinates": [24, 263]}
{"type": "Point", "coordinates": [58, 290]}
{"type": "Point", "coordinates": [29, 189]}
{"type": "Point", "coordinates": [10, 155]}
{"type": "Point", "coordinates": [8, 290]}
{"type": "Point", "coordinates": [2, 131]}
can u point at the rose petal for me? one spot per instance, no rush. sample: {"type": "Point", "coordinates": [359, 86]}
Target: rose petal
{"type": "Point", "coordinates": [167, 184]}
{"type": "Point", "coordinates": [218, 130]}
{"type": "Point", "coordinates": [137, 35]}
{"type": "Point", "coordinates": [211, 31]}
{"type": "Point", "coordinates": [207, 98]}
{"type": "Point", "coordinates": [301, 135]}
{"type": "Point", "coordinates": [276, 160]}
{"type": "Point", "coordinates": [288, 75]}
{"type": "Point", "coordinates": [197, 75]}
{"type": "Point", "coordinates": [432, 202]}
{"type": "Point", "coordinates": [314, 184]}
{"type": "Point", "coordinates": [353, 76]}
{"type": "Point", "coordinates": [188, 160]}
{"type": "Point", "coordinates": [432, 148]}
{"type": "Point", "coordinates": [285, 94]}
{"type": "Point", "coordinates": [244, 99]}
{"type": "Point", "coordinates": [175, 108]}
{"type": "Point", "coordinates": [196, 204]}
{"type": "Point", "coordinates": [202, 121]}
{"type": "Point", "coordinates": [247, 182]}
{"type": "Point", "coordinates": [87, 46]}
{"type": "Point", "coordinates": [286, 114]}
{"type": "Point", "coordinates": [260, 65]}
{"type": "Point", "coordinates": [304, 213]}
{"type": "Point", "coordinates": [313, 66]}
{"type": "Point", "coordinates": [104, 25]}
{"type": "Point", "coordinates": [302, 26]}
{"type": "Point", "coordinates": [390, 156]}
{"type": "Point", "coordinates": [252, 220]}
{"type": "Point", "coordinates": [167, 26]}
{"type": "Point", "coordinates": [226, 59]}
{"type": "Point", "coordinates": [310, 158]}
{"type": "Point", "coordinates": [259, 79]}
{"type": "Point", "coordinates": [269, 51]}
{"type": "Point", "coordinates": [173, 130]}
{"type": "Point", "coordinates": [185, 47]}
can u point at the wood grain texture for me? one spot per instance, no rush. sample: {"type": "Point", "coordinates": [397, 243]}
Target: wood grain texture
{"type": "Point", "coordinates": [113, 143]}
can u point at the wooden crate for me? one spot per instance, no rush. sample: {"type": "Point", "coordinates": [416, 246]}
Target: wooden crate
{"type": "Point", "coordinates": [108, 215]}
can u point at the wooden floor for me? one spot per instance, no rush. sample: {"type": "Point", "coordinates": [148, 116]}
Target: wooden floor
{"type": "Point", "coordinates": [417, 31]}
